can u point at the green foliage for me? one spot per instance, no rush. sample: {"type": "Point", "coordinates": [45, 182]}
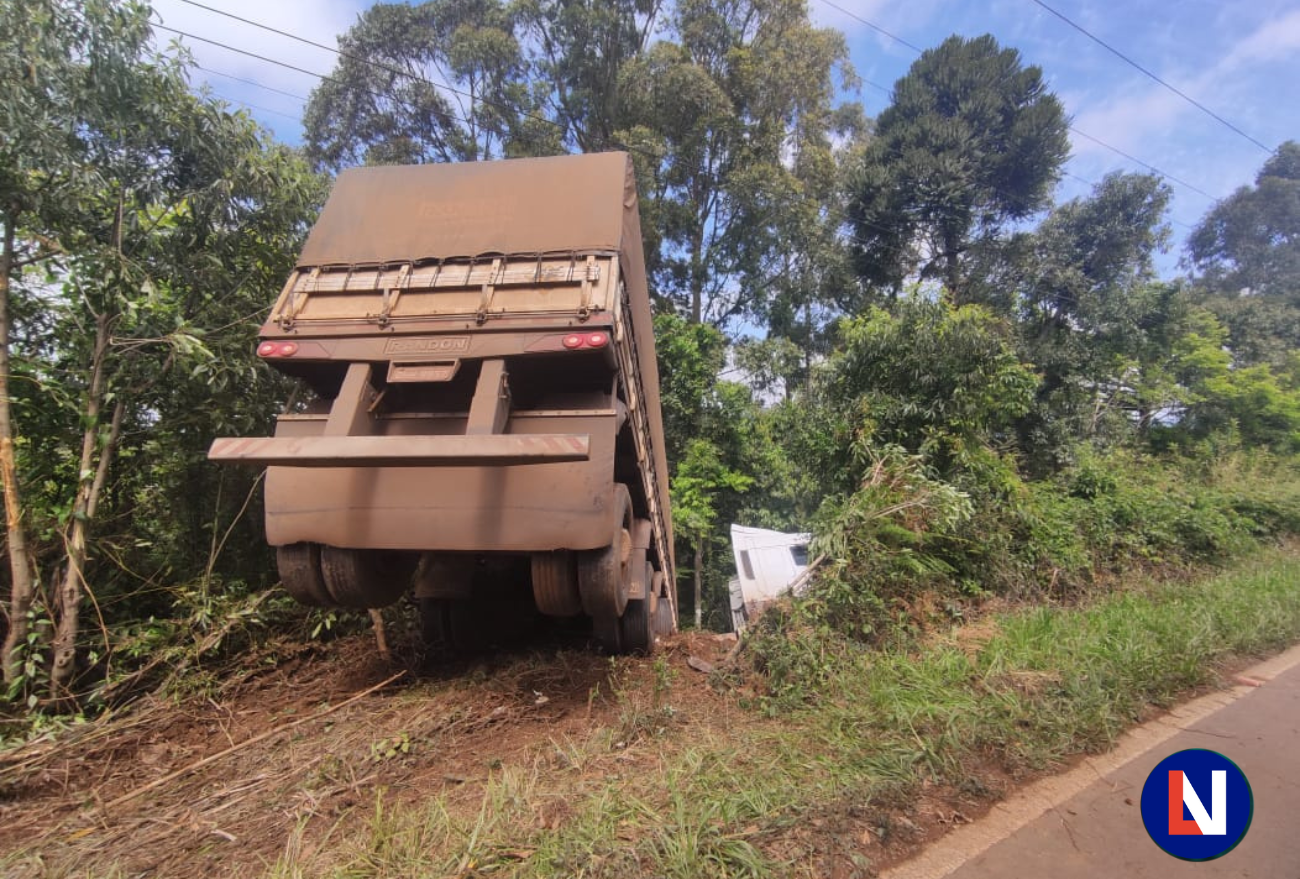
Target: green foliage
{"type": "Point", "coordinates": [972, 140]}
{"type": "Point", "coordinates": [887, 540]}
{"type": "Point", "coordinates": [150, 227]}
{"type": "Point", "coordinates": [937, 380]}
{"type": "Point", "coordinates": [1250, 241]}
{"type": "Point", "coordinates": [383, 103]}
{"type": "Point", "coordinates": [1259, 406]}
{"type": "Point", "coordinates": [713, 113]}
{"type": "Point", "coordinates": [700, 476]}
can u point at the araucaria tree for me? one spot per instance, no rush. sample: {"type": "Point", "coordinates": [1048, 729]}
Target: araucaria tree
{"type": "Point", "coordinates": [973, 141]}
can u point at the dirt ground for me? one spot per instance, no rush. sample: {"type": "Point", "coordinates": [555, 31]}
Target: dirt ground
{"type": "Point", "coordinates": [221, 782]}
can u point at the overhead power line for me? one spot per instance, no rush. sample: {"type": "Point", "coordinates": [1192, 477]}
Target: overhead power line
{"type": "Point", "coordinates": [875, 27]}
{"type": "Point", "coordinates": [1127, 60]}
{"type": "Point", "coordinates": [258, 107]}
{"type": "Point", "coordinates": [378, 65]}
{"type": "Point", "coordinates": [1149, 167]}
{"type": "Point", "coordinates": [278, 63]}
{"type": "Point", "coordinates": [252, 82]}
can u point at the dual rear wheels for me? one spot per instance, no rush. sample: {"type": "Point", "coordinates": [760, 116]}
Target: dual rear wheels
{"type": "Point", "coordinates": [616, 586]}
{"type": "Point", "coordinates": [619, 587]}
{"type": "Point", "coordinates": [328, 576]}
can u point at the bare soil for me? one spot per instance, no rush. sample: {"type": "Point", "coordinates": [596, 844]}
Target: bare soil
{"type": "Point", "coordinates": [244, 767]}
{"type": "Point", "coordinates": [270, 764]}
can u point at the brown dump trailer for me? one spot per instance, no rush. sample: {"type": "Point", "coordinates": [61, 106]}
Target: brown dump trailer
{"type": "Point", "coordinates": [482, 406]}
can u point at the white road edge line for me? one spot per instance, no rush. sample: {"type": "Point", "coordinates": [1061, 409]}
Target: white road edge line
{"type": "Point", "coordinates": [959, 846]}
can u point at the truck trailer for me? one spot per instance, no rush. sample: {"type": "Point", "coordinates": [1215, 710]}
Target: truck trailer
{"type": "Point", "coordinates": [481, 400]}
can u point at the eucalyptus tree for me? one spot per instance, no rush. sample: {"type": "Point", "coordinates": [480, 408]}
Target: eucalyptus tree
{"type": "Point", "coordinates": [441, 81]}
{"type": "Point", "coordinates": [578, 49]}
{"type": "Point", "coordinates": [1246, 256]}
{"type": "Point", "coordinates": [724, 115]}
{"type": "Point", "coordinates": [973, 141]}
{"type": "Point", "coordinates": [1250, 241]}
{"type": "Point", "coordinates": [158, 218]}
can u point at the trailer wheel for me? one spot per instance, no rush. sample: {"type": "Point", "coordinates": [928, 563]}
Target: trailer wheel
{"type": "Point", "coordinates": [636, 626]}
{"type": "Point", "coordinates": [555, 584]}
{"type": "Point", "coordinates": [436, 627]}
{"type": "Point", "coordinates": [605, 575]}
{"type": "Point", "coordinates": [300, 574]}
{"type": "Point", "coordinates": [665, 617]}
{"type": "Point", "coordinates": [608, 635]}
{"type": "Point", "coordinates": [365, 578]}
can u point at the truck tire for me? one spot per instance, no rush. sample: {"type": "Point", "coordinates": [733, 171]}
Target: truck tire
{"type": "Point", "coordinates": [665, 617]}
{"type": "Point", "coordinates": [555, 584]}
{"type": "Point", "coordinates": [437, 628]}
{"type": "Point", "coordinates": [605, 575]}
{"type": "Point", "coordinates": [365, 579]}
{"type": "Point", "coordinates": [299, 566]}
{"type": "Point", "coordinates": [637, 624]}
{"type": "Point", "coordinates": [608, 635]}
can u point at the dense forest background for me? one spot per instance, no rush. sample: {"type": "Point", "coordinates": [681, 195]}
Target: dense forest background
{"type": "Point", "coordinates": [882, 330]}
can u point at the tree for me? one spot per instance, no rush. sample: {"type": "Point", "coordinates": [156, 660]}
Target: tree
{"type": "Point", "coordinates": [1091, 314]}
{"type": "Point", "coordinates": [1256, 406]}
{"type": "Point", "coordinates": [700, 477]}
{"type": "Point", "coordinates": [442, 81]}
{"type": "Point", "coordinates": [930, 378]}
{"type": "Point", "coordinates": [1250, 241]}
{"type": "Point", "coordinates": [713, 119]}
{"type": "Point", "coordinates": [972, 141]}
{"type": "Point", "coordinates": [579, 50]}
{"type": "Point", "coordinates": [152, 213]}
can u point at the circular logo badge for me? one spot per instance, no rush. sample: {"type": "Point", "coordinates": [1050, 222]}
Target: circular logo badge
{"type": "Point", "coordinates": [1197, 805]}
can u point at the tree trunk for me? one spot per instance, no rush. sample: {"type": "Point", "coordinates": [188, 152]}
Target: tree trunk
{"type": "Point", "coordinates": [951, 273]}
{"type": "Point", "coordinates": [21, 591]}
{"type": "Point", "coordinates": [697, 275]}
{"type": "Point", "coordinates": [90, 482]}
{"type": "Point", "coordinates": [699, 583]}
{"type": "Point", "coordinates": [807, 349]}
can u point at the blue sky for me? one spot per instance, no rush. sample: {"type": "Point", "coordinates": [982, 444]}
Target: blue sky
{"type": "Point", "coordinates": [1240, 58]}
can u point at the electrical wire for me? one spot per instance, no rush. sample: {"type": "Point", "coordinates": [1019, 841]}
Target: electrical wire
{"type": "Point", "coordinates": [875, 27]}
{"type": "Point", "coordinates": [1127, 60]}
{"type": "Point", "coordinates": [562, 128]}
{"type": "Point", "coordinates": [558, 126]}
{"type": "Point", "coordinates": [1146, 165]}
{"type": "Point", "coordinates": [251, 82]}
{"type": "Point", "coordinates": [387, 68]}
{"type": "Point", "coordinates": [288, 66]}
{"type": "Point", "coordinates": [258, 107]}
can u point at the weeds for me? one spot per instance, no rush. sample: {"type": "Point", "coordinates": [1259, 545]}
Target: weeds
{"type": "Point", "coordinates": [872, 728]}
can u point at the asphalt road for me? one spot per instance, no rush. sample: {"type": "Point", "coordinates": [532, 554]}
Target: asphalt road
{"type": "Point", "coordinates": [1088, 822]}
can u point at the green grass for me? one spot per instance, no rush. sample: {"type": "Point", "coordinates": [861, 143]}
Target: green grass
{"type": "Point", "coordinates": [701, 801]}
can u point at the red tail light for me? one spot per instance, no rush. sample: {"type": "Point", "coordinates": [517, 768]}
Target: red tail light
{"type": "Point", "coordinates": [597, 340]}
{"type": "Point", "coordinates": [277, 349]}
{"type": "Point", "coordinates": [573, 341]}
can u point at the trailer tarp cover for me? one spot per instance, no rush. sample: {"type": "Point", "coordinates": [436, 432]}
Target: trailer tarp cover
{"type": "Point", "coordinates": [405, 213]}
{"type": "Point", "coordinates": [564, 204]}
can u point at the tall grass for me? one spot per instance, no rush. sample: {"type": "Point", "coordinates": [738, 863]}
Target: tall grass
{"type": "Point", "coordinates": [869, 727]}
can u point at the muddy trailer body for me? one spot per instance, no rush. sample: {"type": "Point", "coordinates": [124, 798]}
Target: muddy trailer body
{"type": "Point", "coordinates": [477, 345]}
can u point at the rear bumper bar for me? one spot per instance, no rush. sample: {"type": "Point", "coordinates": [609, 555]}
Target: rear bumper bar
{"type": "Point", "coordinates": [402, 451]}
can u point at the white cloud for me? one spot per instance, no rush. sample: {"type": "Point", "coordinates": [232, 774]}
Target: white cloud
{"type": "Point", "coordinates": [1127, 122]}
{"type": "Point", "coordinates": [1272, 40]}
